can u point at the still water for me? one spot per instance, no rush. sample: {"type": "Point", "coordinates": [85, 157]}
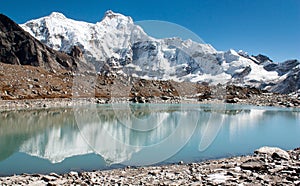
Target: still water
{"type": "Point", "coordinates": [97, 137]}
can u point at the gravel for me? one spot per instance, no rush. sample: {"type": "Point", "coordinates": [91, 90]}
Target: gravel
{"type": "Point", "coordinates": [260, 168]}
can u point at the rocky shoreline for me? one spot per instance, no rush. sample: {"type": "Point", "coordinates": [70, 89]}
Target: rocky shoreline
{"type": "Point", "coordinates": [267, 166]}
{"type": "Point", "coordinates": [267, 99]}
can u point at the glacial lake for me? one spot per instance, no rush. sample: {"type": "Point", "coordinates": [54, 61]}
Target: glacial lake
{"type": "Point", "coordinates": [93, 137]}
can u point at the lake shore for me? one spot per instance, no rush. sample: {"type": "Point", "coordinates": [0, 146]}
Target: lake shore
{"type": "Point", "coordinates": [267, 99]}
{"type": "Point", "coordinates": [267, 166]}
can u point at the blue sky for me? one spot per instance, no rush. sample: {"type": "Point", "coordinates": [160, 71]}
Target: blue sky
{"type": "Point", "coordinates": [270, 27]}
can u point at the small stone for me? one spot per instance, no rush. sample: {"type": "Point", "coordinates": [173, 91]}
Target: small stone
{"type": "Point", "coordinates": [297, 182]}
{"type": "Point", "coordinates": [230, 174]}
{"type": "Point", "coordinates": [237, 169]}
{"type": "Point", "coordinates": [73, 173]}
{"type": "Point", "coordinates": [165, 97]}
{"type": "Point", "coordinates": [54, 174]}
{"type": "Point", "coordinates": [253, 165]}
{"type": "Point", "coordinates": [36, 175]}
{"type": "Point", "coordinates": [276, 169]}
{"type": "Point", "coordinates": [170, 175]}
{"type": "Point", "coordinates": [154, 172]}
{"type": "Point", "coordinates": [47, 178]}
{"type": "Point", "coordinates": [233, 100]}
{"type": "Point", "coordinates": [100, 101]}
{"type": "Point", "coordinates": [140, 99]}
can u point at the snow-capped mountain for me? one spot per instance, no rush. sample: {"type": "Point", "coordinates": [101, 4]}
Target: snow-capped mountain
{"type": "Point", "coordinates": [116, 44]}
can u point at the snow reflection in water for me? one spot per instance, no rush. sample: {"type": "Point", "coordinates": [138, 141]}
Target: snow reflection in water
{"type": "Point", "coordinates": [107, 136]}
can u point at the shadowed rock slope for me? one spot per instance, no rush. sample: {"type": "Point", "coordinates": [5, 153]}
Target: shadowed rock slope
{"type": "Point", "coordinates": [18, 47]}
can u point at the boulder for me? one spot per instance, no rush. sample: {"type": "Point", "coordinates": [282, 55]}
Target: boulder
{"type": "Point", "coordinates": [275, 152]}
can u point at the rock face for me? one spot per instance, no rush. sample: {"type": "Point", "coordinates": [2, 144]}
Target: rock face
{"type": "Point", "coordinates": [290, 73]}
{"type": "Point", "coordinates": [291, 83]}
{"type": "Point", "coordinates": [262, 58]}
{"type": "Point", "coordinates": [282, 68]}
{"type": "Point", "coordinates": [20, 48]}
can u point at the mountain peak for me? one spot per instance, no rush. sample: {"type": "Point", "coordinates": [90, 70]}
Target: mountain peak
{"type": "Point", "coordinates": [109, 14]}
{"type": "Point", "coordinates": [57, 15]}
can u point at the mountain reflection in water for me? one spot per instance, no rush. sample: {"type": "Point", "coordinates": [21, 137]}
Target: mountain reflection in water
{"type": "Point", "coordinates": [143, 134]}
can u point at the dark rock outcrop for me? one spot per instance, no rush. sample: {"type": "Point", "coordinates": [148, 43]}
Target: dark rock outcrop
{"type": "Point", "coordinates": [262, 58]}
{"type": "Point", "coordinates": [282, 68]}
{"type": "Point", "coordinates": [76, 52]}
{"type": "Point", "coordinates": [290, 84]}
{"type": "Point", "coordinates": [242, 74]}
{"type": "Point", "coordinates": [289, 68]}
{"type": "Point", "coordinates": [19, 48]}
